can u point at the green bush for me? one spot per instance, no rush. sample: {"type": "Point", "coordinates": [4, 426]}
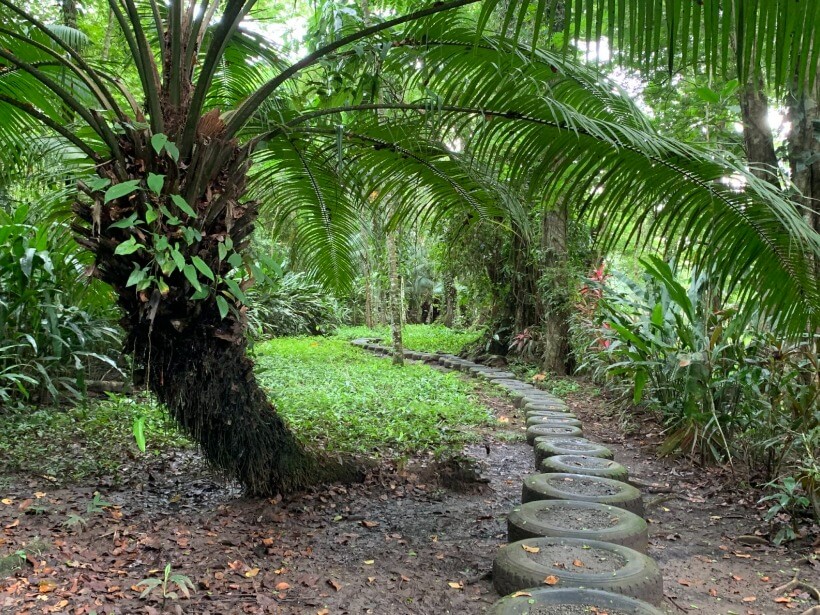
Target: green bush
{"type": "Point", "coordinates": [724, 391]}
{"type": "Point", "coordinates": [55, 325]}
{"type": "Point", "coordinates": [291, 304]}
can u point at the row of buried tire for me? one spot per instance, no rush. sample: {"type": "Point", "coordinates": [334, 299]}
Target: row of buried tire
{"type": "Point", "coordinates": [577, 542]}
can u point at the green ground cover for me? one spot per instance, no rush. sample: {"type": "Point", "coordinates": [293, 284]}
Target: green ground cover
{"type": "Point", "coordinates": [89, 439]}
{"type": "Point", "coordinates": [423, 338]}
{"type": "Point", "coordinates": [349, 400]}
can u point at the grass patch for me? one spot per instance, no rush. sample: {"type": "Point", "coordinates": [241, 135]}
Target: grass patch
{"type": "Point", "coordinates": [87, 440]}
{"type": "Point", "coordinates": [422, 338]}
{"type": "Point", "coordinates": [352, 401]}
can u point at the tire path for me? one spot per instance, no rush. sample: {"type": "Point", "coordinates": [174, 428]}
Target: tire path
{"type": "Point", "coordinates": [528, 579]}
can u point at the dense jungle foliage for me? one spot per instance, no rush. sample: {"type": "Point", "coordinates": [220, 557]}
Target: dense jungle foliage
{"type": "Point", "coordinates": [185, 188]}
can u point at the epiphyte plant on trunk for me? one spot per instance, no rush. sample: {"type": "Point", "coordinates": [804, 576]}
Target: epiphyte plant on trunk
{"type": "Point", "coordinates": [167, 199]}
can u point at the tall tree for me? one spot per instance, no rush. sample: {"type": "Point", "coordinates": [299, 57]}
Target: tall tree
{"type": "Point", "coordinates": [168, 199]}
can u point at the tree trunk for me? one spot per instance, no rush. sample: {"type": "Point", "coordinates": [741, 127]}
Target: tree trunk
{"type": "Point", "coordinates": [804, 154]}
{"type": "Point", "coordinates": [109, 32]}
{"type": "Point", "coordinates": [449, 299]}
{"type": "Point", "coordinates": [395, 298]}
{"type": "Point", "coordinates": [555, 327]}
{"type": "Point", "coordinates": [757, 134]}
{"type": "Point", "coordinates": [368, 294]}
{"type": "Point", "coordinates": [68, 12]}
{"type": "Point", "coordinates": [194, 359]}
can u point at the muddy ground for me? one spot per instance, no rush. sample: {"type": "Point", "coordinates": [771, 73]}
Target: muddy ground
{"type": "Point", "coordinates": [400, 543]}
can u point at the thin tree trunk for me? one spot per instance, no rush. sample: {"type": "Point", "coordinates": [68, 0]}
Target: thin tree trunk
{"type": "Point", "coordinates": [449, 299]}
{"type": "Point", "coordinates": [368, 293]}
{"type": "Point", "coordinates": [555, 327]}
{"type": "Point", "coordinates": [395, 298]}
{"type": "Point", "coordinates": [109, 32]}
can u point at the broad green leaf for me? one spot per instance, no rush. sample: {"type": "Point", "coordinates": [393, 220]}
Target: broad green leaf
{"type": "Point", "coordinates": [203, 268]}
{"type": "Point", "coordinates": [119, 190]}
{"type": "Point", "coordinates": [708, 95]}
{"type": "Point", "coordinates": [137, 276]}
{"type": "Point", "coordinates": [640, 382]}
{"type": "Point", "coordinates": [223, 251]}
{"type": "Point", "coordinates": [97, 183]}
{"type": "Point", "coordinates": [182, 204]}
{"type": "Point", "coordinates": [235, 260]}
{"type": "Point", "coordinates": [150, 214]}
{"type": "Point", "coordinates": [129, 246]}
{"type": "Point", "coordinates": [190, 273]}
{"type": "Point", "coordinates": [125, 222]}
{"type": "Point", "coordinates": [171, 218]}
{"type": "Point", "coordinates": [172, 150]}
{"type": "Point", "coordinates": [155, 182]}
{"type": "Point", "coordinates": [235, 289]}
{"type": "Point", "coordinates": [139, 432]}
{"type": "Point", "coordinates": [202, 293]}
{"type": "Point", "coordinates": [222, 304]}
{"type": "Point", "coordinates": [179, 259]}
{"type": "Point", "coordinates": [158, 141]}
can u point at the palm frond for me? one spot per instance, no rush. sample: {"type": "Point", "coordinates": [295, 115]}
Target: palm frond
{"type": "Point", "coordinates": [782, 34]}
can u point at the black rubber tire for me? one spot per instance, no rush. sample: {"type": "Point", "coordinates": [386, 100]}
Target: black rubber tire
{"type": "Point", "coordinates": [601, 601]}
{"type": "Point", "coordinates": [588, 466]}
{"type": "Point", "coordinates": [533, 519]}
{"type": "Point", "coordinates": [560, 486]}
{"type": "Point", "coordinates": [544, 448]}
{"type": "Point", "coordinates": [551, 429]}
{"type": "Point", "coordinates": [542, 397]}
{"type": "Point", "coordinates": [559, 407]}
{"type": "Point", "coordinates": [560, 420]}
{"type": "Point", "coordinates": [515, 569]}
{"type": "Point", "coordinates": [556, 413]}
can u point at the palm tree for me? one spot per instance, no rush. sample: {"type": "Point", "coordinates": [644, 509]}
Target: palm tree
{"type": "Point", "coordinates": [168, 199]}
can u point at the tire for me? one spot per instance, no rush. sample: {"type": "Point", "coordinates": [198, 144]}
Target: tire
{"type": "Point", "coordinates": [550, 430]}
{"type": "Point", "coordinates": [555, 413]}
{"type": "Point", "coordinates": [600, 601]}
{"type": "Point", "coordinates": [537, 419]}
{"type": "Point", "coordinates": [631, 573]}
{"type": "Point", "coordinates": [543, 405]}
{"type": "Point", "coordinates": [551, 447]}
{"type": "Point", "coordinates": [572, 519]}
{"type": "Point", "coordinates": [542, 397]}
{"type": "Point", "coordinates": [567, 487]}
{"type": "Point", "coordinates": [583, 464]}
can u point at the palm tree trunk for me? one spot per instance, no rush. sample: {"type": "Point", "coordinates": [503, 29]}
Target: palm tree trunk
{"type": "Point", "coordinates": [804, 154]}
{"type": "Point", "coordinates": [68, 11]}
{"type": "Point", "coordinates": [395, 298]}
{"type": "Point", "coordinates": [757, 134]}
{"type": "Point", "coordinates": [555, 327]}
{"type": "Point", "coordinates": [194, 359]}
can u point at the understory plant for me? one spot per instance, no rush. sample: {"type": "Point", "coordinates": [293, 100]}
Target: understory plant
{"type": "Point", "coordinates": [54, 332]}
{"type": "Point", "coordinates": [723, 388]}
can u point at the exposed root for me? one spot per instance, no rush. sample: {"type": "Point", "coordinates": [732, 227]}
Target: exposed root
{"type": "Point", "coordinates": [796, 583]}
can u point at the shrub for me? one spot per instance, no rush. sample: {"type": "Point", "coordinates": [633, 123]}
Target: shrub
{"type": "Point", "coordinates": [55, 326]}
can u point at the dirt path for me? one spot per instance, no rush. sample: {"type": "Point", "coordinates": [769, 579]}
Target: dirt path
{"type": "Point", "coordinates": [397, 544]}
